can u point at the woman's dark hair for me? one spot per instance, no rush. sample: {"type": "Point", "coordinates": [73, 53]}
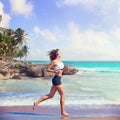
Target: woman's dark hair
{"type": "Point", "coordinates": [53, 54]}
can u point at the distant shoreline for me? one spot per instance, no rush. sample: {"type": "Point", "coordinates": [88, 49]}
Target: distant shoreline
{"type": "Point", "coordinates": [19, 69]}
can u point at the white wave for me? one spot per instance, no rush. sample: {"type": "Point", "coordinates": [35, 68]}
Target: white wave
{"type": "Point", "coordinates": [54, 102]}
{"type": "Point", "coordinates": [83, 71]}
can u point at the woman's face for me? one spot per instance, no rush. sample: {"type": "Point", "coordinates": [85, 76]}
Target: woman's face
{"type": "Point", "coordinates": [59, 54]}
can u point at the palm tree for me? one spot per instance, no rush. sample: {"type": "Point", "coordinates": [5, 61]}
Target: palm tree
{"type": "Point", "coordinates": [12, 43]}
{"type": "Point", "coordinates": [19, 37]}
{"type": "Point", "coordinates": [25, 51]}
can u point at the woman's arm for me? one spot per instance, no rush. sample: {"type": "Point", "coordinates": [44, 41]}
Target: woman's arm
{"type": "Point", "coordinates": [50, 67]}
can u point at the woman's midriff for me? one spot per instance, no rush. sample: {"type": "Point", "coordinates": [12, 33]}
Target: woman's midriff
{"type": "Point", "coordinates": [59, 73]}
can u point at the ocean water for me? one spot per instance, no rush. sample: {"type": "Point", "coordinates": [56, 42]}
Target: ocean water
{"type": "Point", "coordinates": [96, 83]}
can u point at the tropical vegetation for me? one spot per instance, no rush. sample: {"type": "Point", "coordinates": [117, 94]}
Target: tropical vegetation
{"type": "Point", "coordinates": [13, 44]}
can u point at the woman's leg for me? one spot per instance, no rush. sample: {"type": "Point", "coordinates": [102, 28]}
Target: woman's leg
{"type": "Point", "coordinates": [62, 99]}
{"type": "Point", "coordinates": [50, 95]}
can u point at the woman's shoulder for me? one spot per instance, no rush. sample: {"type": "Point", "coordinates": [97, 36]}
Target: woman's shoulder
{"type": "Point", "coordinates": [54, 62]}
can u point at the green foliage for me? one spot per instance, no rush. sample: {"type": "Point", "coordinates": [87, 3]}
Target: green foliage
{"type": "Point", "coordinates": [18, 65]}
{"type": "Point", "coordinates": [13, 44]}
{"type": "Point", "coordinates": [31, 65]}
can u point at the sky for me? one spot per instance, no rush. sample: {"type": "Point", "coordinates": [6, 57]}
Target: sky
{"type": "Point", "coordinates": [84, 30]}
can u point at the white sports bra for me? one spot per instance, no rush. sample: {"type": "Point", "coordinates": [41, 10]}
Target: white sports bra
{"type": "Point", "coordinates": [59, 66]}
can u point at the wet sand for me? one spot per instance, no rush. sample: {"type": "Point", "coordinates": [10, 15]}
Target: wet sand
{"type": "Point", "coordinates": [53, 113]}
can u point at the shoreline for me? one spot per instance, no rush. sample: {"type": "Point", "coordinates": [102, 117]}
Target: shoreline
{"type": "Point", "coordinates": [18, 70]}
{"type": "Point", "coordinates": [108, 112]}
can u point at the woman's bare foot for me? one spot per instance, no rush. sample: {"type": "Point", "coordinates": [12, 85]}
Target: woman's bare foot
{"type": "Point", "coordinates": [34, 105]}
{"type": "Point", "coordinates": [65, 114]}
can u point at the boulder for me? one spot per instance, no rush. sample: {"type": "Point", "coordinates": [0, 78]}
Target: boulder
{"type": "Point", "coordinates": [17, 70]}
{"type": "Point", "coordinates": [69, 70]}
{"type": "Point", "coordinates": [3, 72]}
{"type": "Point", "coordinates": [34, 71]}
{"type": "Point", "coordinates": [16, 77]}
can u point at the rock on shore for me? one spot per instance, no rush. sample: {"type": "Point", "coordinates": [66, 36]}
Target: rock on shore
{"type": "Point", "coordinates": [17, 70]}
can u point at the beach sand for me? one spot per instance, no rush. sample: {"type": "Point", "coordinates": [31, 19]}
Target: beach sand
{"type": "Point", "coordinates": [53, 113]}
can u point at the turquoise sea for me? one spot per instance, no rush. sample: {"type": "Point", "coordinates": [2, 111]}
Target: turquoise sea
{"type": "Point", "coordinates": [96, 83]}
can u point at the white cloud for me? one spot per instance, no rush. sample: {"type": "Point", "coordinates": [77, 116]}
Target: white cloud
{"type": "Point", "coordinates": [74, 2]}
{"type": "Point", "coordinates": [91, 44]}
{"type": "Point", "coordinates": [46, 34]}
{"type": "Point", "coordinates": [116, 33]}
{"type": "Point", "coordinates": [5, 17]}
{"type": "Point", "coordinates": [84, 45]}
{"type": "Point", "coordinates": [22, 7]}
{"type": "Point", "coordinates": [37, 54]}
{"type": "Point", "coordinates": [107, 8]}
